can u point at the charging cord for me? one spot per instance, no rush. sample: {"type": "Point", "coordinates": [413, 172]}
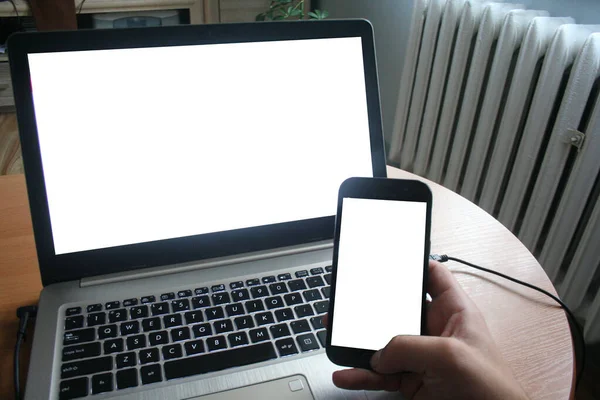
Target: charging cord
{"type": "Point", "coordinates": [24, 314]}
{"type": "Point", "coordinates": [576, 333]}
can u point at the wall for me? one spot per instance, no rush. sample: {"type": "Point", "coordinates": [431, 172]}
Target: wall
{"type": "Point", "coordinates": [391, 22]}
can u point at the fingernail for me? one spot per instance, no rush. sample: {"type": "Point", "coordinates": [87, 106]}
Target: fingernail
{"type": "Point", "coordinates": [375, 359]}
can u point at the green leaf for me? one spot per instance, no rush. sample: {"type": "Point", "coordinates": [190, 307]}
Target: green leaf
{"type": "Point", "coordinates": [313, 15]}
{"type": "Point", "coordinates": [260, 17]}
{"type": "Point", "coordinates": [296, 13]}
{"type": "Point", "coordinates": [321, 14]}
{"type": "Point", "coordinates": [278, 18]}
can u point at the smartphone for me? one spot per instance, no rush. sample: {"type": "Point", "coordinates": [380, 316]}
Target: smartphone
{"type": "Point", "coordinates": [380, 261]}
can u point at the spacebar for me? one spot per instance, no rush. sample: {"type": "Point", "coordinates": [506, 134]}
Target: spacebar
{"type": "Point", "coordinates": [218, 361]}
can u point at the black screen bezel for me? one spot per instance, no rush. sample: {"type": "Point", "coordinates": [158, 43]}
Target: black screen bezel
{"type": "Point", "coordinates": [66, 267]}
{"type": "Point", "coordinates": [379, 189]}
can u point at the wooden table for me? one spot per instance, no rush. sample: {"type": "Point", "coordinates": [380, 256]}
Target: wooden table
{"type": "Point", "coordinates": [531, 330]}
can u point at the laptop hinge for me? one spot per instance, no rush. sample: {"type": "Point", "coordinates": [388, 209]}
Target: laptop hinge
{"type": "Point", "coordinates": [211, 263]}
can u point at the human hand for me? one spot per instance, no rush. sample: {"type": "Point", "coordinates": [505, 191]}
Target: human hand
{"type": "Point", "coordinates": [458, 360]}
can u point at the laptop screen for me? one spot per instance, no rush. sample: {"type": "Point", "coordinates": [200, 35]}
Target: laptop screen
{"type": "Point", "coordinates": [146, 144]}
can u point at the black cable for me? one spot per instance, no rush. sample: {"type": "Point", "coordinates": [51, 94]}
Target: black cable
{"type": "Point", "coordinates": [81, 6]}
{"type": "Point", "coordinates": [24, 314]}
{"type": "Point", "coordinates": [578, 334]}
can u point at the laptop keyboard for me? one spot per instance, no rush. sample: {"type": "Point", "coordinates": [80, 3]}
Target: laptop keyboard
{"type": "Point", "coordinates": [156, 338]}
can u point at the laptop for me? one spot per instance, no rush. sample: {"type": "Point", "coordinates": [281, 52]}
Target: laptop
{"type": "Point", "coordinates": [183, 184]}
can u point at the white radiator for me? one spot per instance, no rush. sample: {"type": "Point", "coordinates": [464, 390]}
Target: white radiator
{"type": "Point", "coordinates": [502, 105]}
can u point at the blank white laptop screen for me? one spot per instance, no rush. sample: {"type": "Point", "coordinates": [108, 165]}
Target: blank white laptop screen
{"type": "Point", "coordinates": [155, 143]}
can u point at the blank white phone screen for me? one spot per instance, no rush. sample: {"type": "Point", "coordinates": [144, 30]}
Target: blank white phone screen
{"type": "Point", "coordinates": [379, 287]}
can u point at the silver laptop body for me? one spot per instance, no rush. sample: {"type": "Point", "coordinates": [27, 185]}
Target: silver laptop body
{"type": "Point", "coordinates": [179, 180]}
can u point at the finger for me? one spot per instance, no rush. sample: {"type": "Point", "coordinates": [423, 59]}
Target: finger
{"type": "Point", "coordinates": [362, 379]}
{"type": "Point", "coordinates": [413, 354]}
{"type": "Point", "coordinates": [325, 320]}
{"type": "Point", "coordinates": [411, 383]}
{"type": "Point", "coordinates": [440, 280]}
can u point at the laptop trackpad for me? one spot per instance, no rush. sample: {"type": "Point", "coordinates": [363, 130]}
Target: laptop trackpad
{"type": "Point", "coordinates": [293, 387]}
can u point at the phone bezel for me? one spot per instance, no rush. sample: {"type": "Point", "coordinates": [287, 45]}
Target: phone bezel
{"type": "Point", "coordinates": [379, 189]}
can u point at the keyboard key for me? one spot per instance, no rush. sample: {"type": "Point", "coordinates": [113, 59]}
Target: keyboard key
{"type": "Point", "coordinates": [284, 314]}
{"type": "Point", "coordinates": [159, 308]}
{"type": "Point", "coordinates": [300, 326]}
{"type": "Point", "coordinates": [117, 315]}
{"type": "Point", "coordinates": [307, 342]}
{"type": "Point", "coordinates": [127, 378]}
{"type": "Point", "coordinates": [253, 282]}
{"type": "Point", "coordinates": [245, 355]}
{"type": "Point", "coordinates": [96, 319]}
{"type": "Point", "coordinates": [293, 298]}
{"type": "Point", "coordinates": [136, 342]}
{"type": "Point", "coordinates": [172, 320]}
{"type": "Point", "coordinates": [259, 291]}
{"type": "Point", "coordinates": [220, 298]}
{"type": "Point", "coordinates": [237, 339]}
{"type": "Point", "coordinates": [214, 313]}
{"type": "Point", "coordinates": [199, 291]}
{"type": "Point", "coordinates": [216, 343]}
{"type": "Point", "coordinates": [264, 318]}
{"type": "Point", "coordinates": [268, 279]}
{"type": "Point", "coordinates": [184, 293]}
{"type": "Point", "coordinates": [279, 330]}
{"type": "Point", "coordinates": [130, 302]}
{"type": "Point", "coordinates": [327, 278]}
{"type": "Point", "coordinates": [322, 335]}
{"type": "Point", "coordinates": [301, 274]}
{"type": "Point", "coordinates": [328, 268]}
{"type": "Point", "coordinates": [160, 337]}
{"type": "Point", "coordinates": [148, 356]}
{"type": "Point", "coordinates": [297, 284]}
{"type": "Point", "coordinates": [80, 336]}
{"type": "Point", "coordinates": [274, 302]}
{"type": "Point", "coordinates": [202, 330]}
{"type": "Point", "coordinates": [284, 277]}
{"type": "Point", "coordinates": [138, 312]}
{"type": "Point", "coordinates": [129, 328]}
{"type": "Point", "coordinates": [167, 296]}
{"type": "Point", "coordinates": [286, 347]}
{"type": "Point", "coordinates": [254, 306]}
{"type": "Point", "coordinates": [180, 305]}
{"type": "Point", "coordinates": [75, 322]}
{"type": "Point", "coordinates": [317, 322]}
{"type": "Point", "coordinates": [73, 389]}
{"type": "Point", "coordinates": [111, 305]}
{"type": "Point", "coordinates": [72, 311]}
{"type": "Point", "coordinates": [151, 324]}
{"type": "Point", "coordinates": [107, 331]}
{"type": "Point", "coordinates": [151, 374]}
{"type": "Point", "coordinates": [81, 351]}
{"type": "Point", "coordinates": [102, 383]}
{"type": "Point", "coordinates": [240, 295]}
{"type": "Point", "coordinates": [193, 317]}
{"type": "Point", "coordinates": [172, 351]}
{"type": "Point", "coordinates": [126, 360]}
{"type": "Point", "coordinates": [244, 322]}
{"type": "Point", "coordinates": [312, 295]}
{"type": "Point", "coordinates": [200, 302]}
{"type": "Point", "coordinates": [259, 335]}
{"type": "Point", "coordinates": [236, 285]}
{"type": "Point", "coordinates": [326, 291]}
{"type": "Point", "coordinates": [113, 346]}
{"type": "Point", "coordinates": [194, 347]}
{"type": "Point", "coordinates": [278, 288]}
{"type": "Point", "coordinates": [234, 309]}
{"type": "Point", "coordinates": [217, 288]}
{"type": "Point", "coordinates": [86, 367]}
{"type": "Point", "coordinates": [94, 308]}
{"type": "Point", "coordinates": [321, 306]}
{"type": "Point", "coordinates": [223, 326]}
{"type": "Point", "coordinates": [315, 281]}
{"type": "Point", "coordinates": [147, 299]}
{"type": "Point", "coordinates": [304, 310]}
{"type": "Point", "coordinates": [179, 334]}
{"type": "Point", "coordinates": [316, 271]}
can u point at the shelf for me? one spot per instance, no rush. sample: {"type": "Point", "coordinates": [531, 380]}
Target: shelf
{"type": "Point", "coordinates": [96, 6]}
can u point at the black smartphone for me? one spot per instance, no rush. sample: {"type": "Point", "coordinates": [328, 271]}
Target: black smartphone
{"type": "Point", "coordinates": [380, 261]}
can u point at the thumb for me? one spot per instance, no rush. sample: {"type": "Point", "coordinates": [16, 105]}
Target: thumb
{"type": "Point", "coordinates": [413, 354]}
